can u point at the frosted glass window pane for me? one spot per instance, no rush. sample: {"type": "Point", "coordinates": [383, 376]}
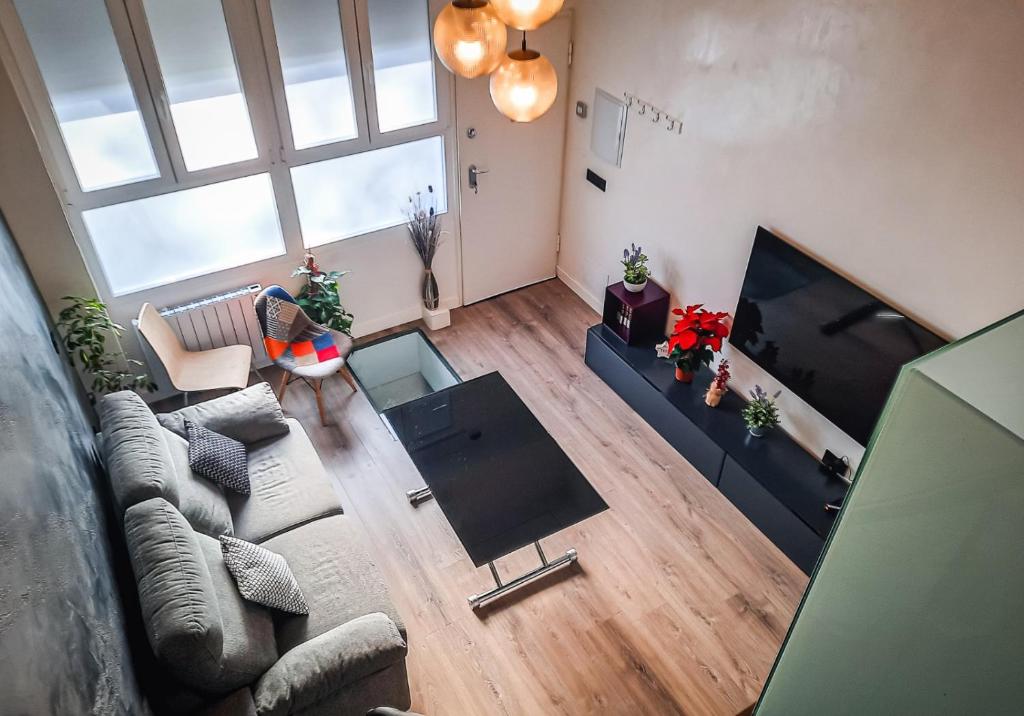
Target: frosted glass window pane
{"type": "Point", "coordinates": [360, 193]}
{"type": "Point", "coordinates": [167, 238]}
{"type": "Point", "coordinates": [403, 63]}
{"type": "Point", "coordinates": [316, 77]}
{"type": "Point", "coordinates": [84, 74]}
{"type": "Point", "coordinates": [210, 115]}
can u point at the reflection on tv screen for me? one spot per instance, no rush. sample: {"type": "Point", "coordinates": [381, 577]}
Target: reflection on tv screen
{"type": "Point", "coordinates": [829, 341]}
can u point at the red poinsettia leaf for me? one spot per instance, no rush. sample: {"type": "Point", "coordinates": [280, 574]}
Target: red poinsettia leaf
{"type": "Point", "coordinates": [714, 343]}
{"type": "Point", "coordinates": [678, 311]}
{"type": "Point", "coordinates": [684, 340]}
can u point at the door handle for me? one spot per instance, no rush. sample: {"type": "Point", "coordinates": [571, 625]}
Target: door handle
{"type": "Point", "coordinates": [474, 172]}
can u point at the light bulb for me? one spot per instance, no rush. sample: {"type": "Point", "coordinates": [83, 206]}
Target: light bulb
{"type": "Point", "coordinates": [526, 14]}
{"type": "Point", "coordinates": [469, 38]}
{"type": "Point", "coordinates": [525, 86]}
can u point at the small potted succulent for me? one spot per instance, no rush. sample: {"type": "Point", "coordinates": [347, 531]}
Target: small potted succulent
{"type": "Point", "coordinates": [718, 386]}
{"type": "Point", "coordinates": [636, 273]}
{"type": "Point", "coordinates": [761, 414]}
{"type": "Point", "coordinates": [696, 337]}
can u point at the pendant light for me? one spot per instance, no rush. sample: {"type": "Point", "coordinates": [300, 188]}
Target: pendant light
{"type": "Point", "coordinates": [525, 85]}
{"type": "Point", "coordinates": [526, 14]}
{"type": "Point", "coordinates": [469, 38]}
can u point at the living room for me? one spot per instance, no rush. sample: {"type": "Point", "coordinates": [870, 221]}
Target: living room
{"type": "Point", "coordinates": [511, 357]}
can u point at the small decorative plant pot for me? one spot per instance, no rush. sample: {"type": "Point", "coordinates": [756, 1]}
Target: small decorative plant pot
{"type": "Point", "coordinates": [713, 397]}
{"type": "Point", "coordinates": [682, 376]}
{"type": "Point", "coordinates": [758, 432]}
{"type": "Point", "coordinates": [634, 287]}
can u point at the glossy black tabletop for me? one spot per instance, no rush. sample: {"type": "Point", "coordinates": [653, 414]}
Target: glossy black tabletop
{"type": "Point", "coordinates": [499, 477]}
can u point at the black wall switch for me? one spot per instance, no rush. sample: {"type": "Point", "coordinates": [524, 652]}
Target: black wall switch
{"type": "Point", "coordinates": [596, 180]}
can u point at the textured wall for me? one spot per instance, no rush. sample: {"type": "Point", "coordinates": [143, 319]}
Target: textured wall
{"type": "Point", "coordinates": [62, 643]}
{"type": "Point", "coordinates": [885, 138]}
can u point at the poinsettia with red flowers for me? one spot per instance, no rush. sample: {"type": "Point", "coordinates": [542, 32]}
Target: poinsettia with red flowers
{"type": "Point", "coordinates": [696, 337]}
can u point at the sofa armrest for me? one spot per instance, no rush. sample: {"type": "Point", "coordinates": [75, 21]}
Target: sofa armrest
{"type": "Point", "coordinates": [317, 669]}
{"type": "Point", "coordinates": [248, 416]}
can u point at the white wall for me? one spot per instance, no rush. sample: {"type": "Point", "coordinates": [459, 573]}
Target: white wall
{"type": "Point", "coordinates": [883, 138]}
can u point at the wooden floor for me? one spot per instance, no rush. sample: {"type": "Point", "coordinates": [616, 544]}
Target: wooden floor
{"type": "Point", "coordinates": [678, 605]}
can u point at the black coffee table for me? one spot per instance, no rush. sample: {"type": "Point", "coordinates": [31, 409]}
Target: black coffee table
{"type": "Point", "coordinates": [501, 480]}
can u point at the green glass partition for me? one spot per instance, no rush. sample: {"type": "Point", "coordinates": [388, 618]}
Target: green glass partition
{"type": "Point", "coordinates": [917, 604]}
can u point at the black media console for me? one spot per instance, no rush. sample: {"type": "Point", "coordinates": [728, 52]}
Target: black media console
{"type": "Point", "coordinates": [772, 480]}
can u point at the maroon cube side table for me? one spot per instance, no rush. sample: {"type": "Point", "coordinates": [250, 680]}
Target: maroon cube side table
{"type": "Point", "coordinates": [636, 318]}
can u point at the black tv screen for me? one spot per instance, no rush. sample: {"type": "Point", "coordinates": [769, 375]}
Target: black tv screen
{"type": "Point", "coordinates": [824, 338]}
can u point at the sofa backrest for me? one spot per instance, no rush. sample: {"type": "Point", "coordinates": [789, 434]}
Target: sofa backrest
{"type": "Point", "coordinates": [138, 462]}
{"type": "Point", "coordinates": [197, 624]}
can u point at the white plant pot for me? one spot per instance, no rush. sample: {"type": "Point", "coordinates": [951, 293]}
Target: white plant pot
{"type": "Point", "coordinates": [634, 287]}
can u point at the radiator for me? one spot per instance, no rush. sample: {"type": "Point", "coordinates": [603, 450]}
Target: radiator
{"type": "Point", "coordinates": [222, 320]}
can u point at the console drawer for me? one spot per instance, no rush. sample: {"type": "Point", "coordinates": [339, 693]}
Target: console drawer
{"type": "Point", "coordinates": [789, 533]}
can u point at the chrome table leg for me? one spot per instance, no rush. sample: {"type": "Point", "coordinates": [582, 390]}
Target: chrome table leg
{"type": "Point", "coordinates": [502, 588]}
{"type": "Point", "coordinates": [417, 496]}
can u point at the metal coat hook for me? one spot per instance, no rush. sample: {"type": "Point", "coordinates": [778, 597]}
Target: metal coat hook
{"type": "Point", "coordinates": [672, 124]}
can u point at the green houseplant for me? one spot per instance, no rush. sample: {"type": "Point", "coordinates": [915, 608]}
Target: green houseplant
{"type": "Point", "coordinates": [761, 414]}
{"type": "Point", "coordinates": [84, 328]}
{"type": "Point", "coordinates": [319, 297]}
{"type": "Point", "coordinates": [635, 273]}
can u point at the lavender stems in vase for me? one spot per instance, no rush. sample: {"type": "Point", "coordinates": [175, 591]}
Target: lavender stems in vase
{"type": "Point", "coordinates": [425, 231]}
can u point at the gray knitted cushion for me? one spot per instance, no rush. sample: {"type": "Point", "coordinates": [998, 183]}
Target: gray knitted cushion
{"type": "Point", "coordinates": [262, 576]}
{"type": "Point", "coordinates": [218, 458]}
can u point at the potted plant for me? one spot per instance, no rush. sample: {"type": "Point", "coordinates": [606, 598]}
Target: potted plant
{"type": "Point", "coordinates": [635, 276]}
{"type": "Point", "coordinates": [761, 414]}
{"type": "Point", "coordinates": [84, 327]}
{"type": "Point", "coordinates": [696, 337]}
{"type": "Point", "coordinates": [718, 386]}
{"type": "Point", "coordinates": [425, 232]}
{"type": "Point", "coordinates": [319, 297]}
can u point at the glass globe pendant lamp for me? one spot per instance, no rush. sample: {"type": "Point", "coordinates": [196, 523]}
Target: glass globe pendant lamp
{"type": "Point", "coordinates": [469, 38]}
{"type": "Point", "coordinates": [526, 14]}
{"type": "Point", "coordinates": [525, 85]}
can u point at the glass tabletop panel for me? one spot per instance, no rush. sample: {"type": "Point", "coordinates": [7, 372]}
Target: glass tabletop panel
{"type": "Point", "coordinates": [400, 368]}
{"type": "Point", "coordinates": [501, 480]}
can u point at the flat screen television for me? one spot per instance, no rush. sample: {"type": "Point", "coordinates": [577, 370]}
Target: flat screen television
{"type": "Point", "coordinates": [824, 338]}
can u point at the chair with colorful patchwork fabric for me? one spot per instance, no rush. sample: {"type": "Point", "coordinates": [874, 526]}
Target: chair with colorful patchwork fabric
{"type": "Point", "coordinates": [299, 346]}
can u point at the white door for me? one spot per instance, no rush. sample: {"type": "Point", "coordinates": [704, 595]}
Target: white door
{"type": "Point", "coordinates": [510, 225]}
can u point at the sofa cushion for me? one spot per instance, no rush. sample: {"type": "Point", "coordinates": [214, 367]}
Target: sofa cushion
{"type": "Point", "coordinates": [248, 416]}
{"type": "Point", "coordinates": [201, 502]}
{"type": "Point", "coordinates": [262, 576]}
{"type": "Point", "coordinates": [315, 672]}
{"type": "Point", "coordinates": [138, 462]}
{"type": "Point", "coordinates": [289, 488]}
{"type": "Point", "coordinates": [218, 457]}
{"type": "Point", "coordinates": [206, 635]}
{"type": "Point", "coordinates": [335, 573]}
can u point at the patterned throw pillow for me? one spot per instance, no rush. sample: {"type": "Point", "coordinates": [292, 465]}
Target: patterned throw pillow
{"type": "Point", "coordinates": [262, 576]}
{"type": "Point", "coordinates": [218, 458]}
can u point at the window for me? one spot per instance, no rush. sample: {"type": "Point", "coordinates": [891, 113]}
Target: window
{"type": "Point", "coordinates": [211, 117]}
{"type": "Point", "coordinates": [316, 76]}
{"type": "Point", "coordinates": [89, 92]}
{"type": "Point", "coordinates": [361, 193]}
{"type": "Point", "coordinates": [403, 63]}
{"type": "Point", "coordinates": [167, 238]}
{"type": "Point", "coordinates": [198, 136]}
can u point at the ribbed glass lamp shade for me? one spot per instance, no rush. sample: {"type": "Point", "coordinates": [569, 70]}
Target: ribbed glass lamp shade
{"type": "Point", "coordinates": [525, 85]}
{"type": "Point", "coordinates": [526, 14]}
{"type": "Point", "coordinates": [469, 38]}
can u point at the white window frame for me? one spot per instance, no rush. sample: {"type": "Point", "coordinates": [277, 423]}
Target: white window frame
{"type": "Point", "coordinates": [253, 39]}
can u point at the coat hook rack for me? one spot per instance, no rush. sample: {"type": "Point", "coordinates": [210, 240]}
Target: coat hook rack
{"type": "Point", "coordinates": [672, 123]}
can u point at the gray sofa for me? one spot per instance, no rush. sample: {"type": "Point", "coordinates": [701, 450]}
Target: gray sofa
{"type": "Point", "coordinates": [222, 654]}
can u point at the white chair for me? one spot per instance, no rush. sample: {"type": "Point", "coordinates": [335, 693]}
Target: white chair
{"type": "Point", "coordinates": [213, 369]}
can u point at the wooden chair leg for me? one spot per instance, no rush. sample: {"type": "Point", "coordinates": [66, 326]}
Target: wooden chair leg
{"type": "Point", "coordinates": [282, 389]}
{"type": "Point", "coordinates": [347, 375]}
{"type": "Point", "coordinates": [320, 401]}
